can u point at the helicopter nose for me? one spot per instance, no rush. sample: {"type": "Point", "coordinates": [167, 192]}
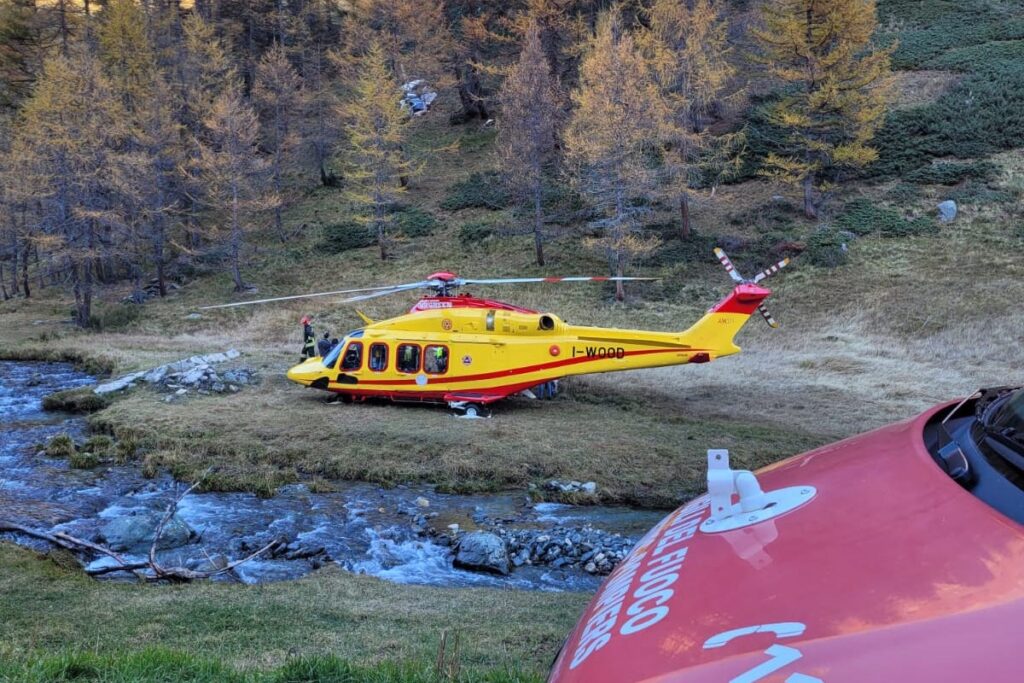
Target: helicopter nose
{"type": "Point", "coordinates": [305, 373]}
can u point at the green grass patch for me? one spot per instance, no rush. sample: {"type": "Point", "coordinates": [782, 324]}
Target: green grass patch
{"type": "Point", "coordinates": [83, 460]}
{"type": "Point", "coordinates": [483, 190]}
{"type": "Point", "coordinates": [60, 625]}
{"type": "Point", "coordinates": [157, 665]}
{"type": "Point", "coordinates": [975, 57]}
{"type": "Point", "coordinates": [61, 446]}
{"type": "Point", "coordinates": [80, 400]}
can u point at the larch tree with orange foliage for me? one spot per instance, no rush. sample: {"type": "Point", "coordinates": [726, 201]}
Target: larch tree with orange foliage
{"type": "Point", "coordinates": [530, 112]}
{"type": "Point", "coordinates": [279, 97]}
{"type": "Point", "coordinates": [837, 89]}
{"type": "Point", "coordinates": [376, 129]}
{"type": "Point", "coordinates": [688, 49]}
{"type": "Point", "coordinates": [619, 122]}
{"type": "Point", "coordinates": [235, 176]}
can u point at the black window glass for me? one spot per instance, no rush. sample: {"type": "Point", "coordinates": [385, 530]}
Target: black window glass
{"type": "Point", "coordinates": [353, 358]}
{"type": "Point", "coordinates": [408, 358]}
{"type": "Point", "coordinates": [378, 357]}
{"type": "Point", "coordinates": [435, 360]}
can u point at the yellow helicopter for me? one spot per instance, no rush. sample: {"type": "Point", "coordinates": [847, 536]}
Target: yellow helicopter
{"type": "Point", "coordinates": [468, 352]}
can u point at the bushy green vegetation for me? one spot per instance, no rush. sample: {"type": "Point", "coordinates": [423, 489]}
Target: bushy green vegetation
{"type": "Point", "coordinates": [828, 247]}
{"type": "Point", "coordinates": [473, 233]}
{"type": "Point", "coordinates": [80, 400]}
{"type": "Point", "coordinates": [484, 190]}
{"type": "Point", "coordinates": [865, 217]}
{"type": "Point", "coordinates": [951, 172]}
{"type": "Point", "coordinates": [83, 460]}
{"type": "Point", "coordinates": [977, 117]}
{"type": "Point", "coordinates": [978, 57]}
{"type": "Point", "coordinates": [414, 222]}
{"type": "Point", "coordinates": [345, 236]}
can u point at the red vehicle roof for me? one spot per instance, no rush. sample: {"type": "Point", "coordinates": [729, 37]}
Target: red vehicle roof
{"type": "Point", "coordinates": [891, 573]}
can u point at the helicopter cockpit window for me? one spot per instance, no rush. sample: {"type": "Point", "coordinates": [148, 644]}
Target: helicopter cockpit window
{"type": "Point", "coordinates": [408, 358]}
{"type": "Point", "coordinates": [435, 360]}
{"type": "Point", "coordinates": [331, 358]}
{"type": "Point", "coordinates": [353, 359]}
{"type": "Point", "coordinates": [378, 357]}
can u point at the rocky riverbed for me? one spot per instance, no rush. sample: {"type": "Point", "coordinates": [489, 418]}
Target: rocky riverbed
{"type": "Point", "coordinates": [407, 534]}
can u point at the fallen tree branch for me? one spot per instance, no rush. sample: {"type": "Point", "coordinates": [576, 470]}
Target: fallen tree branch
{"type": "Point", "coordinates": [159, 572]}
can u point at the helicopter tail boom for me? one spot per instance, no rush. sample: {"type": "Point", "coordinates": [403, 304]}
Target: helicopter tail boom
{"type": "Point", "coordinates": [720, 325]}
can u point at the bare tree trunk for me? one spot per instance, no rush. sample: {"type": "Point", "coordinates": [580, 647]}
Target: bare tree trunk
{"type": "Point", "coordinates": [236, 244]}
{"type": "Point", "coordinates": [470, 93]}
{"type": "Point", "coordinates": [24, 268]}
{"type": "Point", "coordinates": [538, 224]}
{"type": "Point", "coordinates": [3, 285]}
{"type": "Point", "coordinates": [684, 215]}
{"type": "Point", "coordinates": [14, 264]}
{"type": "Point", "coordinates": [620, 290]}
{"type": "Point", "coordinates": [810, 210]}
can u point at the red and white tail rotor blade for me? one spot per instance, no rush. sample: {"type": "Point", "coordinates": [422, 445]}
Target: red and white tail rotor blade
{"type": "Point", "coordinates": [729, 267]}
{"type": "Point", "coordinates": [768, 317]}
{"type": "Point", "coordinates": [771, 270]}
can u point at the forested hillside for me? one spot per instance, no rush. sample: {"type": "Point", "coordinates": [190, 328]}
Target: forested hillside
{"type": "Point", "coordinates": [149, 141]}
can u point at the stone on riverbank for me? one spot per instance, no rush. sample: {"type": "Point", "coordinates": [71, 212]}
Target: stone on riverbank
{"type": "Point", "coordinates": [134, 532]}
{"type": "Point", "coordinates": [482, 551]}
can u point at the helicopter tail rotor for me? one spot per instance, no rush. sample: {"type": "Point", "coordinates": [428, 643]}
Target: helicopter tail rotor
{"type": "Point", "coordinates": [739, 279]}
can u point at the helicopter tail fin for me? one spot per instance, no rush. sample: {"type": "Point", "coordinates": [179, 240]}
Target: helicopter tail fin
{"type": "Point", "coordinates": [719, 326]}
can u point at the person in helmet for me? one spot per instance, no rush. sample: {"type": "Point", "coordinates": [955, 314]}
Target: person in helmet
{"type": "Point", "coordinates": [308, 339]}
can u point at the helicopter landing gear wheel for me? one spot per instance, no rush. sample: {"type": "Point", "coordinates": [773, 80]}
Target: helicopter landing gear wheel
{"type": "Point", "coordinates": [473, 410]}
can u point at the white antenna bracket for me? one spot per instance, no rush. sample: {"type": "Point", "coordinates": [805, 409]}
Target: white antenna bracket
{"type": "Point", "coordinates": [753, 504]}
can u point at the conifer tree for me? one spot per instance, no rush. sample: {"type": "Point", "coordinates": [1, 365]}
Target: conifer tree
{"type": "Point", "coordinates": [527, 134]}
{"type": "Point", "coordinates": [127, 54]}
{"type": "Point", "coordinates": [234, 175]}
{"type": "Point", "coordinates": [70, 134]}
{"type": "Point", "coordinates": [838, 89]}
{"type": "Point", "coordinates": [688, 50]}
{"type": "Point", "coordinates": [619, 119]}
{"type": "Point", "coordinates": [376, 130]}
{"type": "Point", "coordinates": [278, 98]}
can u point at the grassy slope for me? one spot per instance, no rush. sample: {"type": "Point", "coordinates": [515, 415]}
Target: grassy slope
{"type": "Point", "coordinates": [907, 322]}
{"type": "Point", "coordinates": [48, 609]}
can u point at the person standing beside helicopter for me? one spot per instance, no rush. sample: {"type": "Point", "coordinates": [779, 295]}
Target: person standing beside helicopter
{"type": "Point", "coordinates": [308, 339]}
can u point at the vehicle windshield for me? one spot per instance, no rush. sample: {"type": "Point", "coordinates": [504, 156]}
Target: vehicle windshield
{"type": "Point", "coordinates": [1010, 418]}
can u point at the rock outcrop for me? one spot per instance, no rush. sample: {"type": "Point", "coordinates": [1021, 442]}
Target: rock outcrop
{"type": "Point", "coordinates": [195, 373]}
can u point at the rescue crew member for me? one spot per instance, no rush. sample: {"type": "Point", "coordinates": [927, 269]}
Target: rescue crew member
{"type": "Point", "coordinates": [324, 346]}
{"type": "Point", "coordinates": [308, 339]}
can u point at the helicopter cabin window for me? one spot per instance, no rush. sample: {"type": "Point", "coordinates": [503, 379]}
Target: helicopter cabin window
{"type": "Point", "coordinates": [353, 359]}
{"type": "Point", "coordinates": [378, 357]}
{"type": "Point", "coordinates": [435, 360]}
{"type": "Point", "coordinates": [408, 358]}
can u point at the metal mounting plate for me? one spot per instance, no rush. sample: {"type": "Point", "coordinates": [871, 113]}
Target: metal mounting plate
{"type": "Point", "coordinates": [780, 502]}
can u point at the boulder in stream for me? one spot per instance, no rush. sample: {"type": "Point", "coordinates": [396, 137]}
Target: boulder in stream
{"type": "Point", "coordinates": [134, 532]}
{"type": "Point", "coordinates": [482, 551]}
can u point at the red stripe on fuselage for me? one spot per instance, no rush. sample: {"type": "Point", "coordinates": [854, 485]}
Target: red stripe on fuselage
{"type": "Point", "coordinates": [523, 370]}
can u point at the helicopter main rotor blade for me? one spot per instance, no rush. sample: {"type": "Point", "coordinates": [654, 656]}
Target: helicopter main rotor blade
{"type": "Point", "coordinates": [771, 270]}
{"type": "Point", "coordinates": [729, 267]}
{"type": "Point", "coordinates": [768, 317]}
{"type": "Point", "coordinates": [522, 280]}
{"type": "Point", "coordinates": [309, 296]}
{"type": "Point", "coordinates": [393, 290]}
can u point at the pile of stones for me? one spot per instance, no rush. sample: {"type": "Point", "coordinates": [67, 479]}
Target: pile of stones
{"type": "Point", "coordinates": [191, 374]}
